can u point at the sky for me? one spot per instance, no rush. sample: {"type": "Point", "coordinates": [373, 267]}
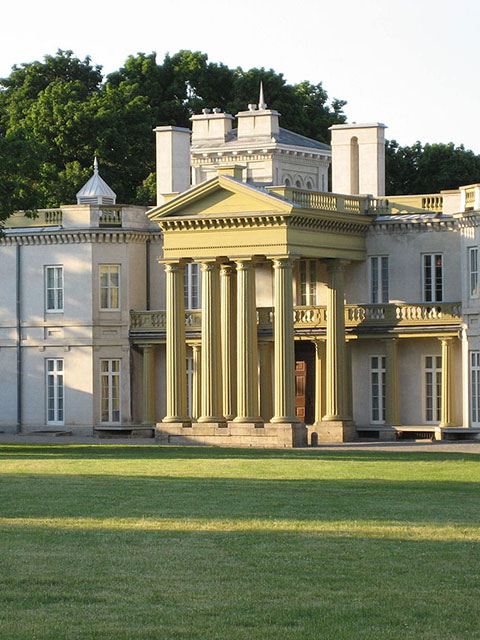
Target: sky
{"type": "Point", "coordinates": [411, 64]}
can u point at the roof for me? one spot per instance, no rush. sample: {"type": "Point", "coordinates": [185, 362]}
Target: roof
{"type": "Point", "coordinates": [284, 136]}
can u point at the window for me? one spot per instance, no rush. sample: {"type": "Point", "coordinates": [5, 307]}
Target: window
{"type": "Point", "coordinates": [110, 286]}
{"type": "Point", "coordinates": [377, 387]}
{"type": "Point", "coordinates": [192, 286]}
{"type": "Point", "coordinates": [433, 388]}
{"type": "Point", "coordinates": [379, 279]}
{"type": "Point", "coordinates": [54, 288]}
{"type": "Point", "coordinates": [475, 387]}
{"type": "Point", "coordinates": [473, 271]}
{"type": "Point", "coordinates": [308, 282]}
{"type": "Point", "coordinates": [110, 390]}
{"type": "Point", "coordinates": [432, 277]}
{"type": "Point", "coordinates": [55, 405]}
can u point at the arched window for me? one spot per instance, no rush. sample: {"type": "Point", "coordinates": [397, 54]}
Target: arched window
{"type": "Point", "coordinates": [287, 182]}
{"type": "Point", "coordinates": [298, 184]}
{"type": "Point", "coordinates": [309, 185]}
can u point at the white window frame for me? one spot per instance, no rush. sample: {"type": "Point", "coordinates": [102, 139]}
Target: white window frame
{"type": "Point", "coordinates": [56, 305]}
{"type": "Point", "coordinates": [193, 286]}
{"type": "Point", "coordinates": [55, 391]}
{"type": "Point", "coordinates": [432, 277]}
{"type": "Point", "coordinates": [378, 381]}
{"type": "Point", "coordinates": [473, 272]}
{"type": "Point", "coordinates": [432, 388]}
{"type": "Point", "coordinates": [110, 381]}
{"type": "Point", "coordinates": [474, 388]}
{"type": "Point", "coordinates": [307, 283]}
{"type": "Point", "coordinates": [379, 280]}
{"type": "Point", "coordinates": [110, 288]}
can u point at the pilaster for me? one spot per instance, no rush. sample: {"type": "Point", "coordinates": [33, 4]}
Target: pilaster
{"type": "Point", "coordinates": [149, 404]}
{"type": "Point", "coordinates": [265, 348]}
{"type": "Point", "coordinates": [447, 410]}
{"type": "Point", "coordinates": [320, 375]}
{"type": "Point", "coordinates": [392, 406]}
{"type": "Point", "coordinates": [197, 380]}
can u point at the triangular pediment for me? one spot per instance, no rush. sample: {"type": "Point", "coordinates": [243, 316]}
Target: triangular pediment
{"type": "Point", "coordinates": [220, 196]}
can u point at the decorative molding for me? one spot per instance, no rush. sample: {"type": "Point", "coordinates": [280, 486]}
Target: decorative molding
{"type": "Point", "coordinates": [40, 237]}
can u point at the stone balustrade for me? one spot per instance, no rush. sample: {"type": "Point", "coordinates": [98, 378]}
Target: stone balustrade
{"type": "Point", "coordinates": [315, 317]}
{"type": "Point", "coordinates": [333, 202]}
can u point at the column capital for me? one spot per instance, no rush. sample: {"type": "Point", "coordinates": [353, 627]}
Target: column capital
{"type": "Point", "coordinates": [227, 269]}
{"type": "Point", "coordinates": [446, 339]}
{"type": "Point", "coordinates": [282, 262]}
{"type": "Point", "coordinates": [173, 264]}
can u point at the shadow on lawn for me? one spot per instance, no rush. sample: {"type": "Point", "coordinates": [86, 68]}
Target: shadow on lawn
{"type": "Point", "coordinates": [119, 496]}
{"type": "Point", "coordinates": [155, 452]}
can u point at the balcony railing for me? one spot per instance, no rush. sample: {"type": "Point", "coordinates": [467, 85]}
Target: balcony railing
{"type": "Point", "coordinates": [333, 202]}
{"type": "Point", "coordinates": [315, 317]}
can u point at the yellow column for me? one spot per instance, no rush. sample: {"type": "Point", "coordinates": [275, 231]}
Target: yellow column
{"type": "Point", "coordinates": [247, 348]}
{"type": "Point", "coordinates": [336, 378]}
{"type": "Point", "coordinates": [176, 352]}
{"type": "Point", "coordinates": [228, 329]}
{"type": "Point", "coordinates": [211, 347]}
{"type": "Point", "coordinates": [392, 406]}
{"type": "Point", "coordinates": [266, 379]}
{"type": "Point", "coordinates": [284, 352]}
{"type": "Point", "coordinates": [149, 404]}
{"type": "Point", "coordinates": [447, 413]}
{"type": "Point", "coordinates": [319, 380]}
{"type": "Point", "coordinates": [196, 380]}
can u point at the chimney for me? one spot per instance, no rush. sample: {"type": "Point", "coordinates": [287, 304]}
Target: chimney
{"type": "Point", "coordinates": [261, 123]}
{"type": "Point", "coordinates": [173, 161]}
{"type": "Point", "coordinates": [358, 159]}
{"type": "Point", "coordinates": [211, 128]}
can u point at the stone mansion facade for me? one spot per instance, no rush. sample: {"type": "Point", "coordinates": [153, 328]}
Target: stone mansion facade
{"type": "Point", "coordinates": [251, 306]}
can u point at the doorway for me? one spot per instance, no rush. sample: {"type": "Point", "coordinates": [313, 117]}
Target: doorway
{"type": "Point", "coordinates": [305, 381]}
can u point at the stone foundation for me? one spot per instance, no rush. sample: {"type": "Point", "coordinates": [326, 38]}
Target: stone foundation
{"type": "Point", "coordinates": [332, 431]}
{"type": "Point", "coordinates": [275, 436]}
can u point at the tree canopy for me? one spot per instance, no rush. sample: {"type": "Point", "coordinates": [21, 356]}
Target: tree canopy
{"type": "Point", "coordinates": [56, 115]}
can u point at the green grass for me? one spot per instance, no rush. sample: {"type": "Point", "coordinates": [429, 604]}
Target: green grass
{"type": "Point", "coordinates": [132, 543]}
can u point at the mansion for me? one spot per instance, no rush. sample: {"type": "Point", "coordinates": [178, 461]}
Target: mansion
{"type": "Point", "coordinates": [251, 306]}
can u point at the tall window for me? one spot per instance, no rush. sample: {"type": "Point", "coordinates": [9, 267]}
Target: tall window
{"type": "Point", "coordinates": [110, 390]}
{"type": "Point", "coordinates": [308, 282]}
{"type": "Point", "coordinates": [54, 288]}
{"type": "Point", "coordinates": [433, 388]}
{"type": "Point", "coordinates": [377, 387]}
{"type": "Point", "coordinates": [192, 286]}
{"type": "Point", "coordinates": [55, 404]}
{"type": "Point", "coordinates": [379, 279]}
{"type": "Point", "coordinates": [475, 387]}
{"type": "Point", "coordinates": [110, 286]}
{"type": "Point", "coordinates": [432, 277]}
{"type": "Point", "coordinates": [473, 271]}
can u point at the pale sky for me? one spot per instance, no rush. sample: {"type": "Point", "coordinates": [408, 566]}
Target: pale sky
{"type": "Point", "coordinates": [411, 64]}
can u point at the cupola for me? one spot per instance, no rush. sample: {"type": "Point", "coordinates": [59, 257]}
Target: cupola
{"type": "Point", "coordinates": [96, 190]}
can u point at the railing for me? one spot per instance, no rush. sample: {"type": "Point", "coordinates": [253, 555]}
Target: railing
{"type": "Point", "coordinates": [432, 202]}
{"type": "Point", "coordinates": [110, 217]}
{"type": "Point", "coordinates": [315, 317]}
{"type": "Point", "coordinates": [334, 202]}
{"type": "Point", "coordinates": [38, 218]}
{"type": "Point", "coordinates": [470, 199]}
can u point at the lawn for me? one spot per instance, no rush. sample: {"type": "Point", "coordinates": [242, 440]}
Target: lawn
{"type": "Point", "coordinates": [100, 542]}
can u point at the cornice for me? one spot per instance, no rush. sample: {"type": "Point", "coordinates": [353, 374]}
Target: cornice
{"type": "Point", "coordinates": [80, 236]}
{"type": "Point", "coordinates": [411, 226]}
{"type": "Point", "coordinates": [326, 222]}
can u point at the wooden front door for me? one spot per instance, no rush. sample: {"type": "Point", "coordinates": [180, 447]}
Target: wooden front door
{"type": "Point", "coordinates": [301, 389]}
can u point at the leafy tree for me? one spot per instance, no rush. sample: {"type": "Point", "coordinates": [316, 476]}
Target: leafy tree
{"type": "Point", "coordinates": [430, 168]}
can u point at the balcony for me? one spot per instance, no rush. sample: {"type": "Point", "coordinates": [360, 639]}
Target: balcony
{"type": "Point", "coordinates": [440, 314]}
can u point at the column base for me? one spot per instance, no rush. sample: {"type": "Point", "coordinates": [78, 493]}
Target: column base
{"type": "Point", "coordinates": [186, 422]}
{"type": "Point", "coordinates": [255, 421]}
{"type": "Point", "coordinates": [212, 421]}
{"type": "Point", "coordinates": [333, 431]}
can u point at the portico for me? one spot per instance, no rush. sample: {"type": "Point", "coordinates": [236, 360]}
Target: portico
{"type": "Point", "coordinates": [231, 228]}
